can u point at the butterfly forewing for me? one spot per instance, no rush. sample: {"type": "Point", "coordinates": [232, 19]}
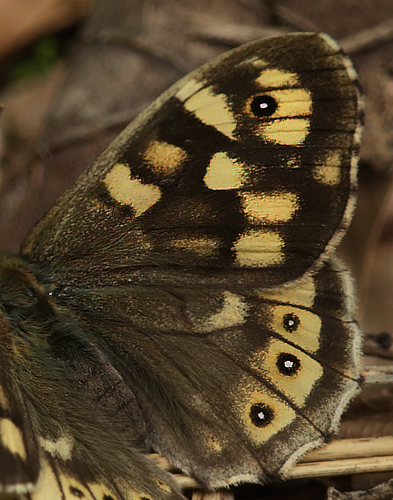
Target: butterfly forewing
{"type": "Point", "coordinates": [246, 163]}
{"type": "Point", "coordinates": [186, 283]}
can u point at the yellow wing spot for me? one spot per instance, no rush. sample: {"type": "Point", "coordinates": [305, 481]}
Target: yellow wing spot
{"type": "Point", "coordinates": [291, 122]}
{"type": "Point", "coordinates": [12, 438]}
{"type": "Point", "coordinates": [62, 447]}
{"type": "Point", "coordinates": [202, 246]}
{"type": "Point", "coordinates": [291, 132]}
{"type": "Point", "coordinates": [302, 293]}
{"type": "Point", "coordinates": [224, 172]}
{"type": "Point", "coordinates": [260, 248]}
{"type": "Point", "coordinates": [164, 159]}
{"type": "Point", "coordinates": [47, 486]}
{"type": "Point", "coordinates": [299, 384]}
{"type": "Point", "coordinates": [249, 397]}
{"type": "Point", "coordinates": [189, 89]}
{"type": "Point", "coordinates": [328, 170]}
{"type": "Point", "coordinates": [290, 102]}
{"type": "Point", "coordinates": [129, 191]}
{"type": "Point", "coordinates": [269, 208]}
{"type": "Point", "coordinates": [212, 109]}
{"type": "Point", "coordinates": [233, 312]}
{"type": "Point", "coordinates": [305, 334]}
{"type": "Point", "coordinates": [273, 77]}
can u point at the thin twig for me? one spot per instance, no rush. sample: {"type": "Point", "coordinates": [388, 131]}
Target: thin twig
{"type": "Point", "coordinates": [353, 44]}
{"type": "Point", "coordinates": [290, 17]}
{"type": "Point", "coordinates": [369, 38]}
{"type": "Point", "coordinates": [342, 467]}
{"type": "Point", "coordinates": [351, 448]}
{"type": "Point", "coordinates": [378, 374]}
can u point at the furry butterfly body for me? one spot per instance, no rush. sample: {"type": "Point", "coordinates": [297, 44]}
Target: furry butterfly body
{"type": "Point", "coordinates": [183, 294]}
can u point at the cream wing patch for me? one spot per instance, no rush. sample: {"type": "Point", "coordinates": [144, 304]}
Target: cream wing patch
{"type": "Point", "coordinates": [132, 192]}
{"type": "Point", "coordinates": [328, 170]}
{"type": "Point", "coordinates": [273, 77]}
{"type": "Point", "coordinates": [296, 325]}
{"type": "Point", "coordinates": [288, 314]}
{"type": "Point", "coordinates": [260, 248]}
{"type": "Point", "coordinates": [224, 172]}
{"type": "Point", "coordinates": [292, 102]}
{"type": "Point", "coordinates": [291, 371]}
{"type": "Point", "coordinates": [189, 89]}
{"type": "Point", "coordinates": [211, 109]}
{"type": "Point", "coordinates": [233, 312]}
{"type": "Point", "coordinates": [291, 131]}
{"type": "Point", "coordinates": [61, 448]}
{"type": "Point", "coordinates": [47, 486]}
{"type": "Point", "coordinates": [303, 293]}
{"type": "Point", "coordinates": [269, 208]}
{"type": "Point", "coordinates": [12, 438]}
{"type": "Point", "coordinates": [291, 123]}
{"type": "Point", "coordinates": [164, 159]}
{"type": "Point", "coordinates": [262, 413]}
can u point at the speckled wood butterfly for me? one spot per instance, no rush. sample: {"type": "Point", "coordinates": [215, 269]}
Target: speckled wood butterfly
{"type": "Point", "coordinates": [183, 295]}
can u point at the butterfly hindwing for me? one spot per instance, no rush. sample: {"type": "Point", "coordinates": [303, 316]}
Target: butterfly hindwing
{"type": "Point", "coordinates": [224, 377]}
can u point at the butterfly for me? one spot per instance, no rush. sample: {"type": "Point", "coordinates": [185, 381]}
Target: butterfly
{"type": "Point", "coordinates": [183, 295]}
